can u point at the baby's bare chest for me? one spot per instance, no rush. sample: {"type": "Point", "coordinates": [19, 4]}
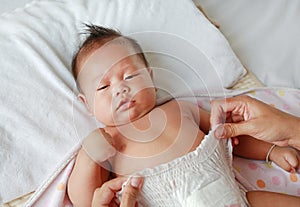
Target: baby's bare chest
{"type": "Point", "coordinates": [161, 136]}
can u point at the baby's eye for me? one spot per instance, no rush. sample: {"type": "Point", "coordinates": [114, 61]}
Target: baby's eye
{"type": "Point", "coordinates": [130, 76]}
{"type": "Point", "coordinates": [102, 87]}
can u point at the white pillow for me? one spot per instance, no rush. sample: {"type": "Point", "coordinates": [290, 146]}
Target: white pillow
{"type": "Point", "coordinates": [41, 119]}
{"type": "Point", "coordinates": [175, 28]}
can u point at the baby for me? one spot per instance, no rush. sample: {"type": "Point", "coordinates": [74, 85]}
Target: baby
{"type": "Point", "coordinates": [167, 144]}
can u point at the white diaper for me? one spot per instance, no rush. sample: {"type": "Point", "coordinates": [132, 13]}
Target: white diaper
{"type": "Point", "coordinates": [202, 178]}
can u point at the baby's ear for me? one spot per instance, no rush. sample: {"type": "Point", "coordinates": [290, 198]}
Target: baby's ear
{"type": "Point", "coordinates": [82, 98]}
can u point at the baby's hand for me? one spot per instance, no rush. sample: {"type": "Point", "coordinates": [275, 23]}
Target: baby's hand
{"type": "Point", "coordinates": [287, 158]}
{"type": "Point", "coordinates": [97, 147]}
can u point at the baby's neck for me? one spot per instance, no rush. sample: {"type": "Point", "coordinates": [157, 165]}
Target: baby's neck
{"type": "Point", "coordinates": [144, 129]}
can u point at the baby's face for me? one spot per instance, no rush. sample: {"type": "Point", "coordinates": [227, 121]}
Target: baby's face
{"type": "Point", "coordinates": [117, 87]}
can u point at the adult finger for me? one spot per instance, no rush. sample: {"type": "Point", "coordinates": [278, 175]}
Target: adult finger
{"type": "Point", "coordinates": [221, 109]}
{"type": "Point", "coordinates": [104, 195]}
{"type": "Point", "coordinates": [131, 191]}
{"type": "Point", "coordinates": [218, 115]}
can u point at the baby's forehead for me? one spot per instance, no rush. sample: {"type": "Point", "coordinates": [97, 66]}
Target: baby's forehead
{"type": "Point", "coordinates": [114, 51]}
{"type": "Point", "coordinates": [105, 44]}
{"type": "Point", "coordinates": [112, 57]}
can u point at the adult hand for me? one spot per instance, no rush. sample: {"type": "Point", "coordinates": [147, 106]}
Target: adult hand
{"type": "Point", "coordinates": [105, 196]}
{"type": "Point", "coordinates": [248, 116]}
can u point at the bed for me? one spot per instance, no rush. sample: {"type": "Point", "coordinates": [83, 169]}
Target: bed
{"type": "Point", "coordinates": [36, 55]}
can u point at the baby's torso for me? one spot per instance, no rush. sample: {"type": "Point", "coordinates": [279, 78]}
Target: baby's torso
{"type": "Point", "coordinates": [167, 132]}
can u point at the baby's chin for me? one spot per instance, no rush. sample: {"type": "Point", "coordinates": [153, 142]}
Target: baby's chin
{"type": "Point", "coordinates": [119, 122]}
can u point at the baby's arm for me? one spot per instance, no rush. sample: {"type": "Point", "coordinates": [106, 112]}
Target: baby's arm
{"type": "Point", "coordinates": [85, 177]}
{"type": "Point", "coordinates": [204, 120]}
{"type": "Point", "coordinates": [200, 115]}
{"type": "Point", "coordinates": [285, 157]}
{"type": "Point", "coordinates": [87, 174]}
{"type": "Point", "coordinates": [251, 148]}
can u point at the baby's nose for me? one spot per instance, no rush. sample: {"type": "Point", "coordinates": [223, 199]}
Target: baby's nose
{"type": "Point", "coordinates": [121, 89]}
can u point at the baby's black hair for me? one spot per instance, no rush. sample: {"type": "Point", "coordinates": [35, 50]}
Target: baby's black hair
{"type": "Point", "coordinates": [98, 36]}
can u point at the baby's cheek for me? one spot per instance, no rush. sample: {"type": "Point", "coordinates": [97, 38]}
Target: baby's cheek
{"type": "Point", "coordinates": [104, 114]}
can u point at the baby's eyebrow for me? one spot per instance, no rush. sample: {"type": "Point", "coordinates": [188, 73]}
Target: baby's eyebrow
{"type": "Point", "coordinates": [130, 67]}
{"type": "Point", "coordinates": [98, 78]}
{"type": "Point", "coordinates": [126, 66]}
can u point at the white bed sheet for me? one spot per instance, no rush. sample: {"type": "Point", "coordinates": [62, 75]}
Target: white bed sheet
{"type": "Point", "coordinates": [265, 35]}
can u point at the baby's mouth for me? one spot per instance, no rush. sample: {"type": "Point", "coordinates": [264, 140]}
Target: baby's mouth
{"type": "Point", "coordinates": [125, 104]}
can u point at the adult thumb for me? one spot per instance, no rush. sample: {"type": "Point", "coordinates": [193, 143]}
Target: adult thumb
{"type": "Point", "coordinates": [131, 190]}
{"type": "Point", "coordinates": [228, 130]}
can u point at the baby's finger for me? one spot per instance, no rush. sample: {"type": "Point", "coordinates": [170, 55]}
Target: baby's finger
{"type": "Point", "coordinates": [234, 141]}
{"type": "Point", "coordinates": [283, 163]}
{"type": "Point", "coordinates": [293, 163]}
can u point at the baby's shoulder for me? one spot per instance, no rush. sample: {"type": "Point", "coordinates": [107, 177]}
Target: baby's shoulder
{"type": "Point", "coordinates": [178, 105]}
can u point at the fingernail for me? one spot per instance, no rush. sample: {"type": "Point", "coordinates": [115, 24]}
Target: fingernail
{"type": "Point", "coordinates": [136, 182]}
{"type": "Point", "coordinates": [293, 170]}
{"type": "Point", "coordinates": [220, 132]}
